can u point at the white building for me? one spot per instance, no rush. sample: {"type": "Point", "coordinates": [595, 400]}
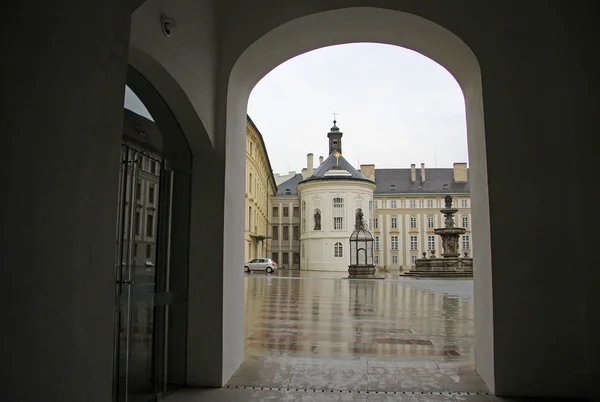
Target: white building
{"type": "Point", "coordinates": [401, 208]}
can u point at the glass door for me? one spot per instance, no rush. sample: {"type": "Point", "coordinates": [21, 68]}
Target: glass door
{"type": "Point", "coordinates": [142, 276]}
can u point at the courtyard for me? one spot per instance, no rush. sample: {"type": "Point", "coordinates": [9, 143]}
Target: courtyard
{"type": "Point", "coordinates": [321, 337]}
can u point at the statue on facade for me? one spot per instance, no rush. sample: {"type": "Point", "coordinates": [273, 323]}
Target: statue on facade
{"type": "Point", "coordinates": [317, 220]}
{"type": "Point", "coordinates": [359, 222]}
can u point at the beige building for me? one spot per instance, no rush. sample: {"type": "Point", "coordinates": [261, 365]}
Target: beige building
{"type": "Point", "coordinates": [406, 211]}
{"type": "Point", "coordinates": [260, 186]}
{"type": "Point", "coordinates": [285, 221]}
{"type": "Point", "coordinates": [402, 212]}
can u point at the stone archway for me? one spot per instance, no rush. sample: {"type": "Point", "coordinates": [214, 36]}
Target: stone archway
{"type": "Point", "coordinates": [365, 25]}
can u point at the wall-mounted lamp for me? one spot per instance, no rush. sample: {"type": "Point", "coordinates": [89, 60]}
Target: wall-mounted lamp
{"type": "Point", "coordinates": [167, 24]}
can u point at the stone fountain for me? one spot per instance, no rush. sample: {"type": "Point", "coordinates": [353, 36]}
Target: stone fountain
{"type": "Point", "coordinates": [451, 264]}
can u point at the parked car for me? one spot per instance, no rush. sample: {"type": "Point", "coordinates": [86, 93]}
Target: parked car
{"type": "Point", "coordinates": [261, 264]}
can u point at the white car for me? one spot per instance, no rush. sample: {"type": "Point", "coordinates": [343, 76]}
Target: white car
{"type": "Point", "coordinates": [261, 264]}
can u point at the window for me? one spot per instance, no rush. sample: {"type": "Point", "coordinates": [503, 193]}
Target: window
{"type": "Point", "coordinates": [414, 242]}
{"type": "Point", "coordinates": [466, 242]}
{"type": "Point", "coordinates": [138, 223]}
{"type": "Point", "coordinates": [296, 258]}
{"type": "Point", "coordinates": [135, 247]}
{"type": "Point", "coordinates": [392, 186]}
{"type": "Point", "coordinates": [394, 243]}
{"type": "Point", "coordinates": [394, 223]}
{"type": "Point", "coordinates": [338, 213]}
{"type": "Point", "coordinates": [375, 223]}
{"type": "Point", "coordinates": [148, 251]}
{"type": "Point", "coordinates": [465, 221]}
{"type": "Point", "coordinates": [149, 225]}
{"type": "Point", "coordinates": [286, 233]}
{"type": "Point", "coordinates": [395, 259]}
{"type": "Point", "coordinates": [296, 232]}
{"type": "Point", "coordinates": [275, 212]}
{"type": "Point", "coordinates": [286, 258]}
{"type": "Point", "coordinates": [376, 259]}
{"type": "Point", "coordinates": [430, 203]}
{"type": "Point", "coordinates": [151, 194]}
{"type": "Point", "coordinates": [250, 184]}
{"type": "Point", "coordinates": [152, 166]}
{"type": "Point", "coordinates": [413, 222]}
{"type": "Point", "coordinates": [413, 203]}
{"type": "Point", "coordinates": [303, 252]}
{"type": "Point", "coordinates": [275, 257]}
{"type": "Point", "coordinates": [286, 212]}
{"type": "Point", "coordinates": [304, 216]}
{"type": "Point", "coordinates": [138, 191]}
{"type": "Point", "coordinates": [413, 259]}
{"type": "Point", "coordinates": [431, 242]}
{"type": "Point", "coordinates": [338, 250]}
{"type": "Point", "coordinates": [464, 203]}
{"type": "Point", "coordinates": [376, 243]}
{"type": "Point", "coordinates": [376, 203]}
{"type": "Point", "coordinates": [275, 232]}
{"type": "Point", "coordinates": [393, 204]}
{"type": "Point", "coordinates": [296, 211]}
{"type": "Point", "coordinates": [430, 221]}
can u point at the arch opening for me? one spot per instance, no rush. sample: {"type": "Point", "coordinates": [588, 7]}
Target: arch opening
{"type": "Point", "coordinates": [377, 26]}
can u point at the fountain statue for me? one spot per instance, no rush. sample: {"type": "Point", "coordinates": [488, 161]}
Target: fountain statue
{"type": "Point", "coordinates": [451, 264]}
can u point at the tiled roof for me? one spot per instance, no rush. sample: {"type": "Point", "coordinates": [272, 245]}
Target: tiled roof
{"type": "Point", "coordinates": [437, 180]}
{"type": "Point", "coordinates": [330, 164]}
{"type": "Point", "coordinates": [291, 185]}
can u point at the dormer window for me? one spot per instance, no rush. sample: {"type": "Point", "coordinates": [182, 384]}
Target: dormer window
{"type": "Point", "coordinates": [288, 191]}
{"type": "Point", "coordinates": [445, 186]}
{"type": "Point", "coordinates": [392, 186]}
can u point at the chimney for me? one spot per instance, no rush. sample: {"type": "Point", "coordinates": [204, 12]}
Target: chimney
{"type": "Point", "coordinates": [368, 171]}
{"type": "Point", "coordinates": [413, 173]}
{"type": "Point", "coordinates": [304, 173]}
{"type": "Point", "coordinates": [309, 164]}
{"type": "Point", "coordinates": [422, 172]}
{"type": "Point", "coordinates": [460, 173]}
{"type": "Point", "coordinates": [320, 160]}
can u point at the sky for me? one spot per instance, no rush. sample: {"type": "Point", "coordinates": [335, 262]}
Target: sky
{"type": "Point", "coordinates": [394, 106]}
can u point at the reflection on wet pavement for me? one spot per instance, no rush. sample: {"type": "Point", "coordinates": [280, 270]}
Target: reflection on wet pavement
{"type": "Point", "coordinates": [321, 332]}
{"type": "Point", "coordinates": [320, 337]}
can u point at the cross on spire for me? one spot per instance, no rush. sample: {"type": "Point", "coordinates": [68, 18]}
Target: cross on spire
{"type": "Point", "coordinates": [334, 116]}
{"type": "Point", "coordinates": [337, 158]}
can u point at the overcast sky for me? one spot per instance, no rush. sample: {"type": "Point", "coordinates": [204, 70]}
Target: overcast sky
{"type": "Point", "coordinates": [394, 106]}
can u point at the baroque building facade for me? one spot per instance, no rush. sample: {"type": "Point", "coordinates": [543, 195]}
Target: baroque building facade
{"type": "Point", "coordinates": [260, 187]}
{"type": "Point", "coordinates": [401, 208]}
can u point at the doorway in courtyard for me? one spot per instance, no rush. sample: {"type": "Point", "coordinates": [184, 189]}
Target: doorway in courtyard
{"type": "Point", "coordinates": [307, 326]}
{"type": "Point", "coordinates": [148, 335]}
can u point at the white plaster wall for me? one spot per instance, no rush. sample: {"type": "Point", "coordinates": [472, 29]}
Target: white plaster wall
{"type": "Point", "coordinates": [320, 195]}
{"type": "Point", "coordinates": [189, 56]}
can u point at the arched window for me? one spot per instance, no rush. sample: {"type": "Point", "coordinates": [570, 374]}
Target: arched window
{"type": "Point", "coordinates": [338, 213]}
{"type": "Point", "coordinates": [304, 216]}
{"type": "Point", "coordinates": [338, 250]}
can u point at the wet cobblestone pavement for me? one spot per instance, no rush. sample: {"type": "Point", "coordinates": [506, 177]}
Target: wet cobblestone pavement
{"type": "Point", "coordinates": [321, 337]}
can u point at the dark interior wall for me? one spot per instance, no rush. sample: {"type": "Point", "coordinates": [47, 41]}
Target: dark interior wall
{"type": "Point", "coordinates": [62, 88]}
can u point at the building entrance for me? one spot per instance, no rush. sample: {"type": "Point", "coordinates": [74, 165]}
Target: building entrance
{"type": "Point", "coordinates": [142, 272]}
